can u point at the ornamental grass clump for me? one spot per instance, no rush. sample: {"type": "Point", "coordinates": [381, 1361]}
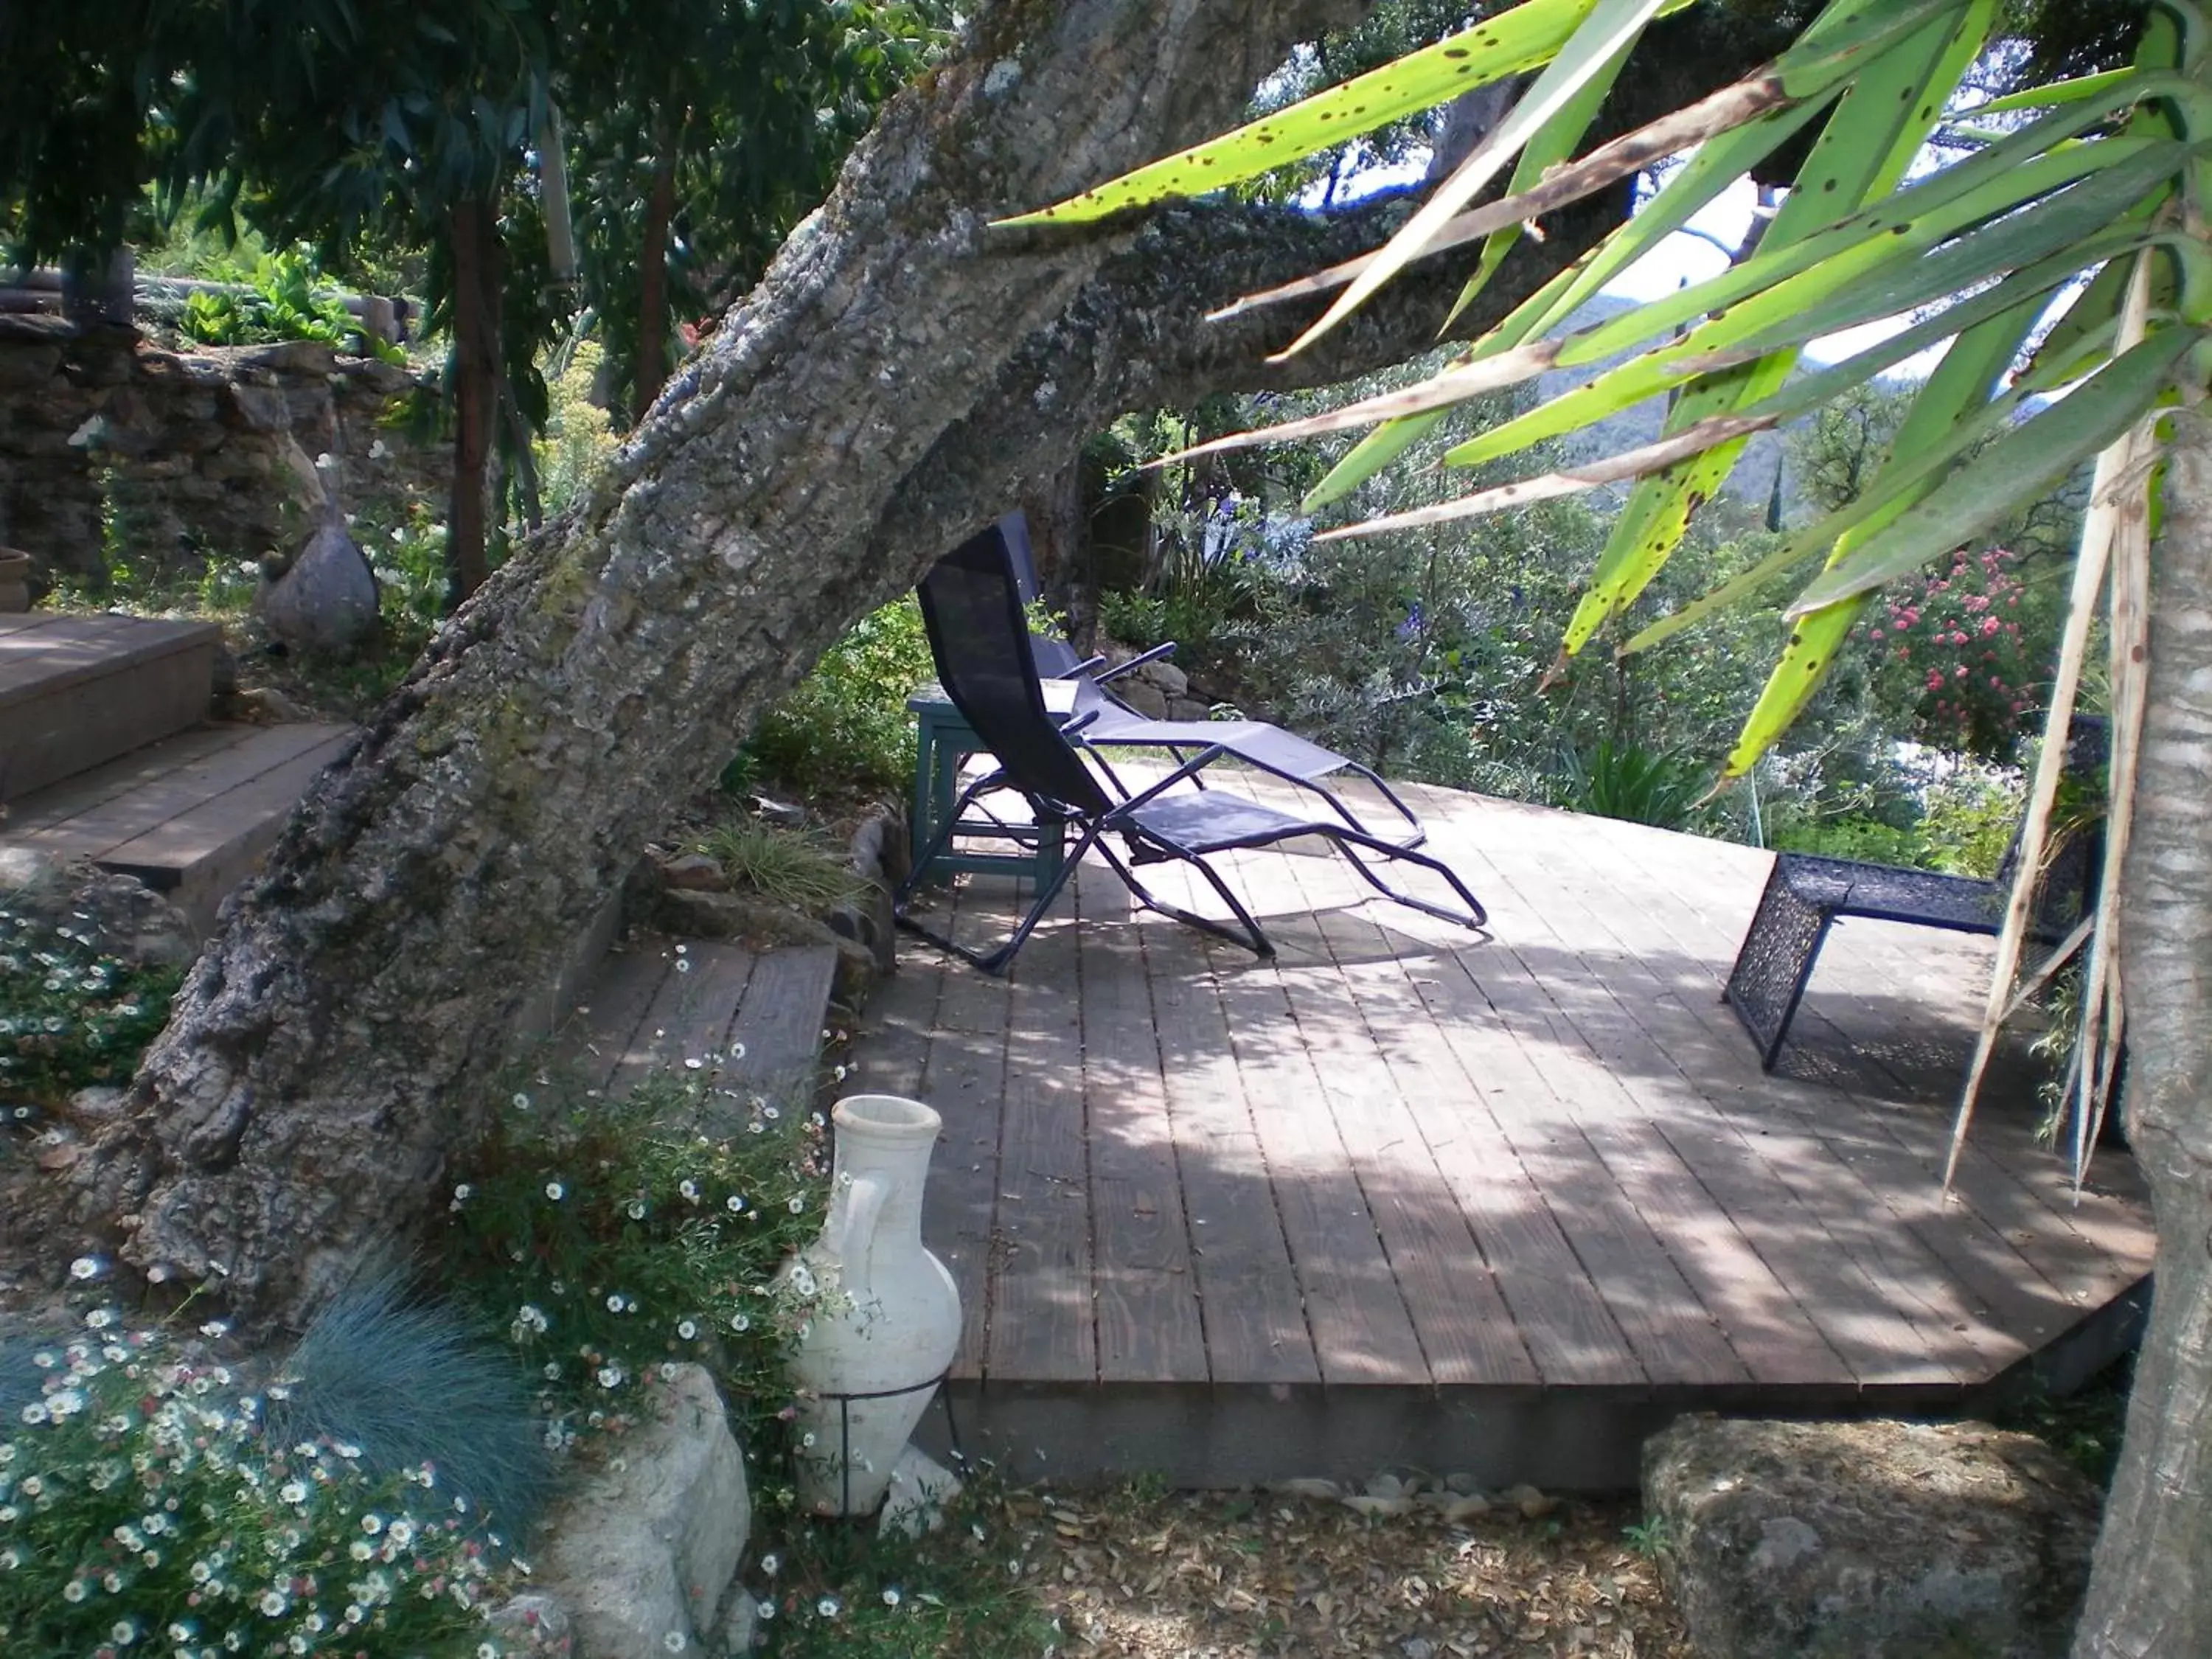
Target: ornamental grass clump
{"type": "Point", "coordinates": [71, 1015]}
{"type": "Point", "coordinates": [145, 1506]}
{"type": "Point", "coordinates": [790, 866]}
{"type": "Point", "coordinates": [609, 1239]}
{"type": "Point", "coordinates": [414, 1384]}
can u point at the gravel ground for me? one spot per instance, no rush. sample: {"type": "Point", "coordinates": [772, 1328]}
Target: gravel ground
{"type": "Point", "coordinates": [1407, 1574]}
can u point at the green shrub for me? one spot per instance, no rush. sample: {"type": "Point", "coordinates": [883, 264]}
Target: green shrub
{"type": "Point", "coordinates": [1861, 840]}
{"type": "Point", "coordinates": [144, 1507]}
{"type": "Point", "coordinates": [282, 305]}
{"type": "Point", "coordinates": [611, 1237]}
{"type": "Point", "coordinates": [1961, 823]}
{"type": "Point", "coordinates": [579, 439]}
{"type": "Point", "coordinates": [606, 1238]}
{"type": "Point", "coordinates": [847, 724]}
{"type": "Point", "coordinates": [69, 1016]}
{"type": "Point", "coordinates": [1642, 786]}
{"type": "Point", "coordinates": [840, 1592]}
{"type": "Point", "coordinates": [1968, 818]}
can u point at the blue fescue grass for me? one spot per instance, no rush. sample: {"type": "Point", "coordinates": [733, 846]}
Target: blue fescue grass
{"type": "Point", "coordinates": [410, 1382]}
{"type": "Point", "coordinates": [22, 1381]}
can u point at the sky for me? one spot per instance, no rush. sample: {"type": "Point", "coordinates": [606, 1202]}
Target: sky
{"type": "Point", "coordinates": [1684, 257]}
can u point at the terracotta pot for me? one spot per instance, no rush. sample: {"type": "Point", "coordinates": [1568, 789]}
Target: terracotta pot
{"type": "Point", "coordinates": [889, 1316]}
{"type": "Point", "coordinates": [14, 581]}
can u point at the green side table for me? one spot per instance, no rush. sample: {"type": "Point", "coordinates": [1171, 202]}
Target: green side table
{"type": "Point", "coordinates": [945, 740]}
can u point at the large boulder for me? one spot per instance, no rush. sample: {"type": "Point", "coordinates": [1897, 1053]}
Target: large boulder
{"type": "Point", "coordinates": [644, 1550]}
{"type": "Point", "coordinates": [325, 599]}
{"type": "Point", "coordinates": [1868, 1540]}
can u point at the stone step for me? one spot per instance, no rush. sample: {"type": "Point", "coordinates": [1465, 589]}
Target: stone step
{"type": "Point", "coordinates": [190, 816]}
{"type": "Point", "coordinates": [76, 691]}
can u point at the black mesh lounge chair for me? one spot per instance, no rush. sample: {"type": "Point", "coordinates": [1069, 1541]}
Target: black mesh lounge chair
{"type": "Point", "coordinates": [1805, 895]}
{"type": "Point", "coordinates": [979, 636]}
{"type": "Point", "coordinates": [1107, 722]}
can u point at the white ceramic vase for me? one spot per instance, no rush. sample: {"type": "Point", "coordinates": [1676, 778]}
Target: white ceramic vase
{"type": "Point", "coordinates": [888, 1319]}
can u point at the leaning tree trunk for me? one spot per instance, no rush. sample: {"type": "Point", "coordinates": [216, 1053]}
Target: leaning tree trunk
{"type": "Point", "coordinates": [2151, 1595]}
{"type": "Point", "coordinates": [898, 377]}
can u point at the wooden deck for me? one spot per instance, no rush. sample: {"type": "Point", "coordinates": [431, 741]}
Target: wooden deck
{"type": "Point", "coordinates": [1500, 1203]}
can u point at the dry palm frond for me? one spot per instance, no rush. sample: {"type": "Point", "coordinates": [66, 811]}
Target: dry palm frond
{"type": "Point", "coordinates": [2115, 535]}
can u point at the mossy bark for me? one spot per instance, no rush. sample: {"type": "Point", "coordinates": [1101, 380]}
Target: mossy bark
{"type": "Point", "coordinates": [899, 377]}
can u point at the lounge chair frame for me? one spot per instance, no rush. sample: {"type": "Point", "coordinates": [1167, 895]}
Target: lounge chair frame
{"type": "Point", "coordinates": [978, 634]}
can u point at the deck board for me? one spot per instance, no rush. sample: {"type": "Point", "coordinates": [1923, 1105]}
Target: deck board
{"type": "Point", "coordinates": [1459, 1313]}
{"type": "Point", "coordinates": [1043, 1315]}
{"type": "Point", "coordinates": [1355, 1308]}
{"type": "Point", "coordinates": [191, 814]}
{"type": "Point", "coordinates": [965, 1080]}
{"type": "Point", "coordinates": [1648, 1036]}
{"type": "Point", "coordinates": [1252, 1313]}
{"type": "Point", "coordinates": [658, 1006]}
{"type": "Point", "coordinates": [1408, 1180]}
{"type": "Point", "coordinates": [1148, 1328]}
{"type": "Point", "coordinates": [77, 691]}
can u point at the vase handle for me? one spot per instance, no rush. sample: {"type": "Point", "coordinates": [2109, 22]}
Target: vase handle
{"type": "Point", "coordinates": [854, 1236]}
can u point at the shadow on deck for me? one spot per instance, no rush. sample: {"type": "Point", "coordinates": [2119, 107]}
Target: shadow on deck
{"type": "Point", "coordinates": [1497, 1203]}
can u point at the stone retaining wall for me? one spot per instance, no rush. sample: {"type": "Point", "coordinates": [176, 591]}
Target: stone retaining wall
{"type": "Point", "coordinates": [112, 447]}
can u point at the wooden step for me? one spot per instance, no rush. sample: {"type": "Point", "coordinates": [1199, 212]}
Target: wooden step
{"type": "Point", "coordinates": [75, 691]}
{"type": "Point", "coordinates": [190, 816]}
{"type": "Point", "coordinates": [743, 1022]}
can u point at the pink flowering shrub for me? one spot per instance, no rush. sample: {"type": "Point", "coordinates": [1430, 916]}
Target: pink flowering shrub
{"type": "Point", "coordinates": [1950, 642]}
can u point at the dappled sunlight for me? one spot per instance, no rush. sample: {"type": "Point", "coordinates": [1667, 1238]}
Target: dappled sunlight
{"type": "Point", "coordinates": [1543, 1157]}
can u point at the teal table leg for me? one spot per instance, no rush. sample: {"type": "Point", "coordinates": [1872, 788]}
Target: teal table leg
{"type": "Point", "coordinates": [920, 824]}
{"type": "Point", "coordinates": [942, 740]}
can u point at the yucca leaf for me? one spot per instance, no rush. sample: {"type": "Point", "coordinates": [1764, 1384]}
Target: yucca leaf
{"type": "Point", "coordinates": [1862, 150]}
{"type": "Point", "coordinates": [1806, 659]}
{"type": "Point", "coordinates": [1550, 145]}
{"type": "Point", "coordinates": [1894, 273]}
{"type": "Point", "coordinates": [1658, 513]}
{"type": "Point", "coordinates": [1509, 44]}
{"type": "Point", "coordinates": [1833, 48]}
{"type": "Point", "coordinates": [2058, 237]}
{"type": "Point", "coordinates": [2057, 92]}
{"type": "Point", "coordinates": [1707, 121]}
{"type": "Point", "coordinates": [1952, 414]}
{"type": "Point", "coordinates": [1568, 481]}
{"type": "Point", "coordinates": [1921, 217]}
{"type": "Point", "coordinates": [1612, 27]}
{"type": "Point", "coordinates": [1656, 372]}
{"type": "Point", "coordinates": [1907, 475]}
{"type": "Point", "coordinates": [1393, 438]}
{"type": "Point", "coordinates": [1728, 131]}
{"type": "Point", "coordinates": [2029, 458]}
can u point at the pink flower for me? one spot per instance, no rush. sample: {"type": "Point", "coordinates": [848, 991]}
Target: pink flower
{"type": "Point", "coordinates": [1935, 679]}
{"type": "Point", "coordinates": [1989, 625]}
